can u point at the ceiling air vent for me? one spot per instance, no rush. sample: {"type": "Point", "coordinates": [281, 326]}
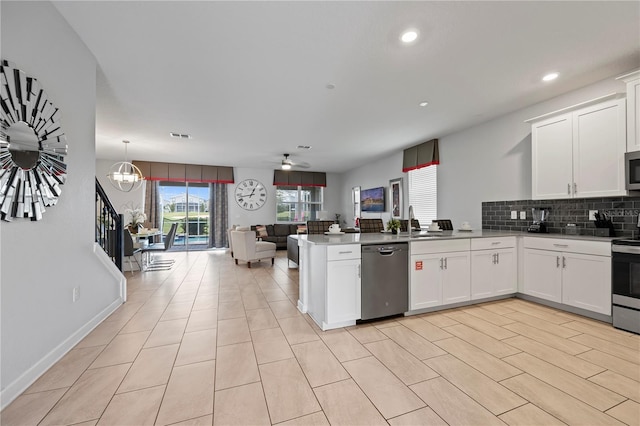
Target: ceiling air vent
{"type": "Point", "coordinates": [304, 147]}
{"type": "Point", "coordinates": [180, 135]}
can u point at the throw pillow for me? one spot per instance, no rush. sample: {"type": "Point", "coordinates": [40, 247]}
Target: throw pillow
{"type": "Point", "coordinates": [302, 229]}
{"type": "Point", "coordinates": [262, 231]}
{"type": "Point", "coordinates": [243, 228]}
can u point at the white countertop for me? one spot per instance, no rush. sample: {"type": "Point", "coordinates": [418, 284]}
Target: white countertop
{"type": "Point", "coordinates": [383, 238]}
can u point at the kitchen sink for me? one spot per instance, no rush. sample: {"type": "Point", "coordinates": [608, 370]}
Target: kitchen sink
{"type": "Point", "coordinates": [425, 234]}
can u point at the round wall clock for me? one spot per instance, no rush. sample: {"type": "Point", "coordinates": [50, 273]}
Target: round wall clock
{"type": "Point", "coordinates": [32, 147]}
{"type": "Point", "coordinates": [250, 194]}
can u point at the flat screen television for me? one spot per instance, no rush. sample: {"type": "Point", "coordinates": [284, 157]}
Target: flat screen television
{"type": "Point", "coordinates": [372, 200]}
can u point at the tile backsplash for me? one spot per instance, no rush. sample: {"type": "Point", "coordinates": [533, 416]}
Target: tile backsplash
{"type": "Point", "coordinates": [623, 212]}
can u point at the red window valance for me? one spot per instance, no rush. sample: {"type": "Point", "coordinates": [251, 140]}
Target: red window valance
{"type": "Point", "coordinates": [422, 155]}
{"type": "Point", "coordinates": [175, 172]}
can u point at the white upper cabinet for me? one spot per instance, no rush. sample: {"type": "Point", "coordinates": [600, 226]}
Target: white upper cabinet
{"type": "Point", "coordinates": [579, 151]}
{"type": "Point", "coordinates": [552, 155]}
{"type": "Point", "coordinates": [598, 150]}
{"type": "Point", "coordinates": [633, 109]}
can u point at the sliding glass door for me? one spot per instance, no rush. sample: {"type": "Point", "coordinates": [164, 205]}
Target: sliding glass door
{"type": "Point", "coordinates": [186, 204]}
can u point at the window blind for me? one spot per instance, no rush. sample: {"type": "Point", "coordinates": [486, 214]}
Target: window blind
{"type": "Point", "coordinates": [423, 194]}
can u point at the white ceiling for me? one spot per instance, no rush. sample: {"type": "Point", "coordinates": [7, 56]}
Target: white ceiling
{"type": "Point", "coordinates": [248, 80]}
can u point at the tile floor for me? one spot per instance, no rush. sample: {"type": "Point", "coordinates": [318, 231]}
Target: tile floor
{"type": "Point", "coordinates": [210, 342]}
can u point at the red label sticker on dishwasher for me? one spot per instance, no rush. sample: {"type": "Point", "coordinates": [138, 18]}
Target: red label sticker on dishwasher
{"type": "Point", "coordinates": [418, 265]}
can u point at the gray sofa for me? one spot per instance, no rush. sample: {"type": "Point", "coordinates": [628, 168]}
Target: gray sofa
{"type": "Point", "coordinates": [279, 232]}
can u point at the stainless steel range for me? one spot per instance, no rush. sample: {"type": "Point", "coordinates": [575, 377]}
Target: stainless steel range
{"type": "Point", "coordinates": [625, 279]}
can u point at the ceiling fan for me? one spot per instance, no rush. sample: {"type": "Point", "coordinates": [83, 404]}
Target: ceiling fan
{"type": "Point", "coordinates": [287, 163]}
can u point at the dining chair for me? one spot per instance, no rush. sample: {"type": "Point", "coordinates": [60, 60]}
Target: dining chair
{"type": "Point", "coordinates": [371, 225]}
{"type": "Point", "coordinates": [318, 226]}
{"type": "Point", "coordinates": [151, 264]}
{"type": "Point", "coordinates": [130, 250]}
{"type": "Point", "coordinates": [404, 224]}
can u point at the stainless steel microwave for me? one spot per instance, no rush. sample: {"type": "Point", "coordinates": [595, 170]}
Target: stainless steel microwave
{"type": "Point", "coordinates": [632, 166]}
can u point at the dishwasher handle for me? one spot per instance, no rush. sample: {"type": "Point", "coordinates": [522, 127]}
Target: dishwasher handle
{"type": "Point", "coordinates": [387, 251]}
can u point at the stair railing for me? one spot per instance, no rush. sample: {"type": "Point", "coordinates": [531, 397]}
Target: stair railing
{"type": "Point", "coordinates": [109, 227]}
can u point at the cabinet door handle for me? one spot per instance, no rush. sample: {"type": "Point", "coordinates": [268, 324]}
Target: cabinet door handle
{"type": "Point", "coordinates": [441, 263]}
{"type": "Point", "coordinates": [564, 262]}
{"type": "Point", "coordinates": [569, 188]}
{"type": "Point", "coordinates": [497, 258]}
{"type": "Point", "coordinates": [345, 252]}
{"type": "Point", "coordinates": [575, 188]}
{"type": "Point", "coordinates": [359, 271]}
{"type": "Point", "coordinates": [445, 263]}
{"type": "Point", "coordinates": [557, 261]}
{"type": "Point", "coordinates": [561, 245]}
{"type": "Point", "coordinates": [496, 243]}
{"type": "Point", "coordinates": [494, 258]}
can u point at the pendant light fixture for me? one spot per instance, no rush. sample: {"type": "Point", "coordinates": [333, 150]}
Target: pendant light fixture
{"type": "Point", "coordinates": [124, 176]}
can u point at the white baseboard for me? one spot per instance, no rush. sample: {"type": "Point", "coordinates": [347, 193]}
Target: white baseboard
{"type": "Point", "coordinates": [112, 269]}
{"type": "Point", "coordinates": [14, 389]}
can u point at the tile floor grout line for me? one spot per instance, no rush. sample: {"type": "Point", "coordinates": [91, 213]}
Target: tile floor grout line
{"type": "Point", "coordinates": [188, 283]}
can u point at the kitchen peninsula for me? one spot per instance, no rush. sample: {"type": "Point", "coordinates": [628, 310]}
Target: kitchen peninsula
{"type": "Point", "coordinates": [455, 268]}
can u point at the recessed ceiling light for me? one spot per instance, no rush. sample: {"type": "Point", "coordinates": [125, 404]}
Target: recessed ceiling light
{"type": "Point", "coordinates": [423, 104]}
{"type": "Point", "coordinates": [551, 76]}
{"type": "Point", "coordinates": [331, 86]}
{"type": "Point", "coordinates": [409, 36]}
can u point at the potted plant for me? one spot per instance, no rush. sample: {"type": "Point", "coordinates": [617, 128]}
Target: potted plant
{"type": "Point", "coordinates": [393, 225]}
{"type": "Point", "coordinates": [137, 218]}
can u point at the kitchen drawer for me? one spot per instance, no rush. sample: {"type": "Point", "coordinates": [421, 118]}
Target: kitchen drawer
{"type": "Point", "coordinates": [343, 252]}
{"type": "Point", "coordinates": [598, 248]}
{"type": "Point", "coordinates": [492, 243]}
{"type": "Point", "coordinates": [441, 246]}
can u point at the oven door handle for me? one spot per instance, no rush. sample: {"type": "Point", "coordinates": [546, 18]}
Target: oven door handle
{"type": "Point", "coordinates": [617, 248]}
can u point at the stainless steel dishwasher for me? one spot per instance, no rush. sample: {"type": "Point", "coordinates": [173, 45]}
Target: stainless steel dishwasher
{"type": "Point", "coordinates": [385, 280]}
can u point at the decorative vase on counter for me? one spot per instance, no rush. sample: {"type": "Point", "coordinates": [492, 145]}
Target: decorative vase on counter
{"type": "Point", "coordinates": [134, 229]}
{"type": "Point", "coordinates": [396, 231]}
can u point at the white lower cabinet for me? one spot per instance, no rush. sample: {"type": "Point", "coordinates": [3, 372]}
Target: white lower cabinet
{"type": "Point", "coordinates": [456, 277]}
{"type": "Point", "coordinates": [439, 279]}
{"type": "Point", "coordinates": [493, 273]}
{"type": "Point", "coordinates": [440, 273]}
{"type": "Point", "coordinates": [343, 291]}
{"type": "Point", "coordinates": [542, 274]}
{"type": "Point", "coordinates": [494, 267]}
{"type": "Point", "coordinates": [586, 282]}
{"type": "Point", "coordinates": [333, 284]}
{"type": "Point", "coordinates": [575, 273]}
{"type": "Point", "coordinates": [426, 282]}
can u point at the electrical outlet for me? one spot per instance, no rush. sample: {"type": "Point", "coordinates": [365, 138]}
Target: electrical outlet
{"type": "Point", "coordinates": [523, 215]}
{"type": "Point", "coordinates": [592, 214]}
{"type": "Point", "coordinates": [514, 214]}
{"type": "Point", "coordinates": [76, 294]}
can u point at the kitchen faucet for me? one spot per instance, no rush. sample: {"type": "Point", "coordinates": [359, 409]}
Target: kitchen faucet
{"type": "Point", "coordinates": [411, 217]}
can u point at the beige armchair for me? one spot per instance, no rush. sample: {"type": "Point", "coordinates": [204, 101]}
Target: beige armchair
{"type": "Point", "coordinates": [247, 249]}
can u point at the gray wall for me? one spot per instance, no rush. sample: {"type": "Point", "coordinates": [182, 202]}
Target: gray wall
{"type": "Point", "coordinates": [120, 200]}
{"type": "Point", "coordinates": [43, 261]}
{"type": "Point", "coordinates": [267, 214]}
{"type": "Point", "coordinates": [373, 175]}
{"type": "Point", "coordinates": [237, 215]}
{"type": "Point", "coordinates": [492, 161]}
{"type": "Point", "coordinates": [488, 162]}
